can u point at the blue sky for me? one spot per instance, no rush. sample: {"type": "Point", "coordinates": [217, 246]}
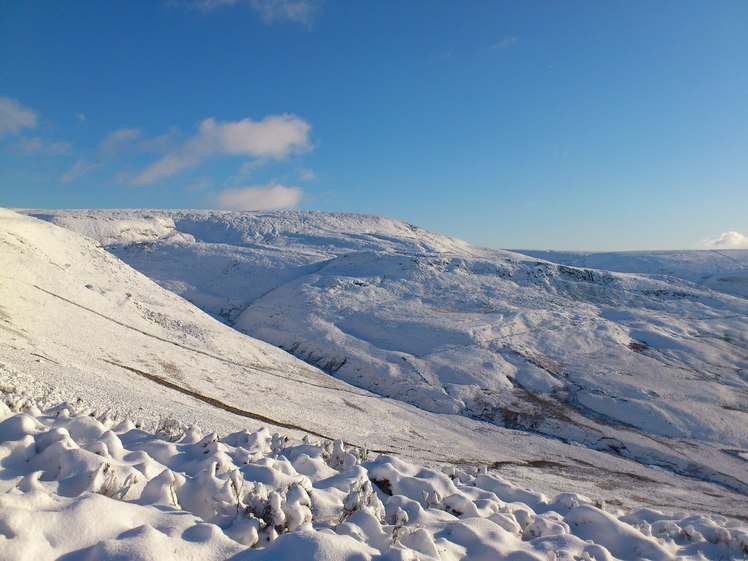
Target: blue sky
{"type": "Point", "coordinates": [563, 125]}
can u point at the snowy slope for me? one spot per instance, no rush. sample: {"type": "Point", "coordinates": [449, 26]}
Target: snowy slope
{"type": "Point", "coordinates": [723, 270]}
{"type": "Point", "coordinates": [80, 325]}
{"type": "Point", "coordinates": [650, 368]}
{"type": "Point", "coordinates": [82, 322]}
{"type": "Point", "coordinates": [70, 331]}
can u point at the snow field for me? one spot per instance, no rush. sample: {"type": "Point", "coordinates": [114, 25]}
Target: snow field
{"type": "Point", "coordinates": [78, 485]}
{"type": "Point", "coordinates": [626, 363]}
{"type": "Point", "coordinates": [79, 325]}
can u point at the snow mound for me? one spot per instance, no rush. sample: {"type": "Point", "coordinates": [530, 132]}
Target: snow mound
{"type": "Point", "coordinates": [79, 485]}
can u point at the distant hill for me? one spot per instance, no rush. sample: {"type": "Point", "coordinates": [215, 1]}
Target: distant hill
{"type": "Point", "coordinates": [723, 270]}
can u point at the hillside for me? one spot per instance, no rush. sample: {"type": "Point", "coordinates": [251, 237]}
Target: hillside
{"type": "Point", "coordinates": [81, 326]}
{"type": "Point", "coordinates": [625, 363]}
{"type": "Point", "coordinates": [721, 270]}
{"type": "Point", "coordinates": [79, 323]}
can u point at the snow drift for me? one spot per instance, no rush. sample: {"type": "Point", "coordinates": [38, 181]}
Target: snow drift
{"type": "Point", "coordinates": [183, 494]}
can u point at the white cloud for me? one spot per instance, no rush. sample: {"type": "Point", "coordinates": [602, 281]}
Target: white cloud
{"type": "Point", "coordinates": [300, 11]}
{"type": "Point", "coordinates": [275, 136]}
{"type": "Point", "coordinates": [307, 175]}
{"type": "Point", "coordinates": [271, 11]}
{"type": "Point", "coordinates": [37, 145]}
{"type": "Point", "coordinates": [727, 240]}
{"type": "Point", "coordinates": [506, 43]}
{"type": "Point", "coordinates": [162, 143]}
{"type": "Point", "coordinates": [119, 140]}
{"type": "Point", "coordinates": [166, 166]}
{"type": "Point", "coordinates": [14, 116]}
{"type": "Point", "coordinates": [269, 197]}
{"type": "Point", "coordinates": [206, 5]}
{"type": "Point", "coordinates": [81, 117]}
{"type": "Point", "coordinates": [79, 169]}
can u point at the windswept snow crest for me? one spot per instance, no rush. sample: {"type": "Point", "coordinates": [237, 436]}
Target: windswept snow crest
{"type": "Point", "coordinates": [651, 368]}
{"type": "Point", "coordinates": [253, 495]}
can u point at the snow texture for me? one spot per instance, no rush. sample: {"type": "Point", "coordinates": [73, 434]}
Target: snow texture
{"type": "Point", "coordinates": [79, 486]}
{"type": "Point", "coordinates": [629, 389]}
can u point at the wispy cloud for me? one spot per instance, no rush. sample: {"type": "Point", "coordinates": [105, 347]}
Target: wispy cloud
{"type": "Point", "coordinates": [199, 185]}
{"type": "Point", "coordinates": [161, 143]}
{"type": "Point", "coordinates": [307, 175]}
{"type": "Point", "coordinates": [274, 137]}
{"type": "Point", "coordinates": [268, 197]}
{"type": "Point", "coordinates": [446, 55]}
{"type": "Point", "coordinates": [299, 11]}
{"type": "Point", "coordinates": [14, 116]}
{"type": "Point", "coordinates": [133, 139]}
{"type": "Point", "coordinates": [727, 240]}
{"type": "Point", "coordinates": [37, 145]}
{"type": "Point", "coordinates": [118, 141]}
{"type": "Point", "coordinates": [79, 170]}
{"type": "Point", "coordinates": [270, 11]}
{"type": "Point", "coordinates": [506, 43]}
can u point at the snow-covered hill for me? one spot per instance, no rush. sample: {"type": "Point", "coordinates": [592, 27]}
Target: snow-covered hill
{"type": "Point", "coordinates": [632, 364]}
{"type": "Point", "coordinates": [80, 325]}
{"type": "Point", "coordinates": [722, 270]}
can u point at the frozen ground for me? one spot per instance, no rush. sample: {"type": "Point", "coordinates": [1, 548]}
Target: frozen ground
{"type": "Point", "coordinates": [80, 325]}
